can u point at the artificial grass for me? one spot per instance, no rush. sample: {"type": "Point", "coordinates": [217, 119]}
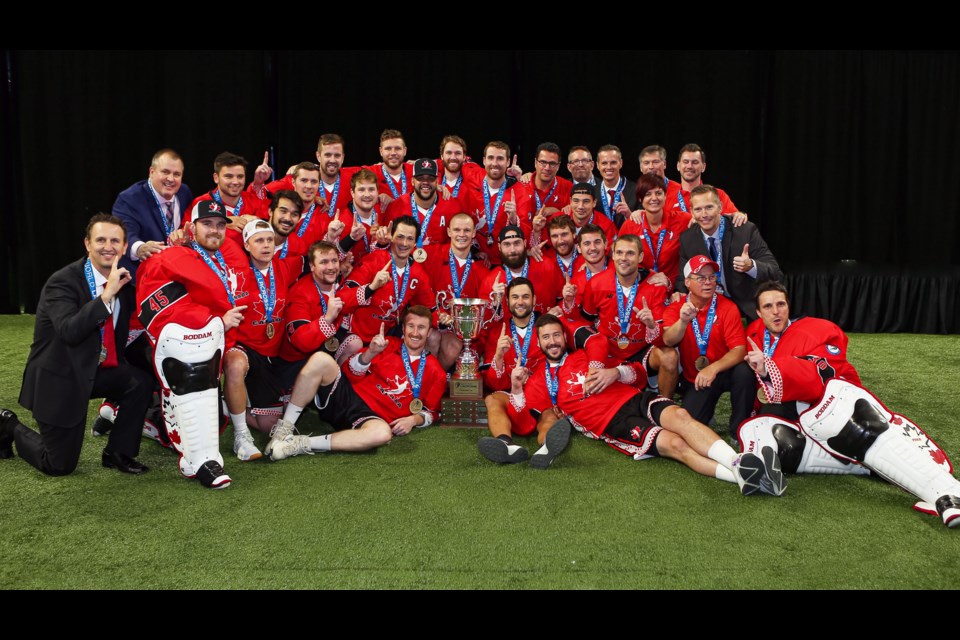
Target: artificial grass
{"type": "Point", "coordinates": [429, 512]}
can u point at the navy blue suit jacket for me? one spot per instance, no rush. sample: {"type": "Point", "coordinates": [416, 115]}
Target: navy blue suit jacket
{"type": "Point", "coordinates": [141, 216]}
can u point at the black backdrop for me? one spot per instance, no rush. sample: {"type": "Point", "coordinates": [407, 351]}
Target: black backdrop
{"type": "Point", "coordinates": [836, 155]}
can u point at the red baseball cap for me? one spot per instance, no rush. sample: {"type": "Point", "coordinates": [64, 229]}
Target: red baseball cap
{"type": "Point", "coordinates": [696, 263]}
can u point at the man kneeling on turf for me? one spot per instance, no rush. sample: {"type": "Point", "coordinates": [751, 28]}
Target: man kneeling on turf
{"type": "Point", "coordinates": [385, 390]}
{"type": "Point", "coordinates": [604, 404]}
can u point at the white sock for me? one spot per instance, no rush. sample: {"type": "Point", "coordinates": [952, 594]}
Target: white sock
{"type": "Point", "coordinates": [292, 413]}
{"type": "Point", "coordinates": [542, 451]}
{"type": "Point", "coordinates": [723, 454]}
{"type": "Point", "coordinates": [320, 443]}
{"type": "Point", "coordinates": [722, 473]}
{"type": "Point", "coordinates": [239, 423]}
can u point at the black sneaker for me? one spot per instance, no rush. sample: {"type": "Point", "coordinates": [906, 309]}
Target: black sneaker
{"type": "Point", "coordinates": [496, 450]}
{"type": "Point", "coordinates": [763, 474]}
{"type": "Point", "coordinates": [211, 475]}
{"type": "Point", "coordinates": [558, 437]}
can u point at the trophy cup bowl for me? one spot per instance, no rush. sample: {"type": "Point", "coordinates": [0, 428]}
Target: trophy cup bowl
{"type": "Point", "coordinates": [467, 316]}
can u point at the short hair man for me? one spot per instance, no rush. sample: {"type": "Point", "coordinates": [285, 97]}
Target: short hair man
{"type": "Point", "coordinates": [601, 401]}
{"type": "Point", "coordinates": [77, 353]}
{"type": "Point", "coordinates": [691, 164]}
{"type": "Point", "coordinates": [580, 164]}
{"type": "Point", "coordinates": [741, 252]}
{"type": "Point", "coordinates": [617, 194]}
{"type": "Point", "coordinates": [384, 391]}
{"type": "Point", "coordinates": [152, 209]}
{"type": "Point", "coordinates": [822, 420]}
{"type": "Point", "coordinates": [229, 176]}
{"type": "Point", "coordinates": [705, 327]}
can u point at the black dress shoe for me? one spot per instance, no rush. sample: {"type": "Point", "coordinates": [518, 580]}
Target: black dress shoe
{"type": "Point", "coordinates": [8, 422]}
{"type": "Point", "coordinates": [123, 463]}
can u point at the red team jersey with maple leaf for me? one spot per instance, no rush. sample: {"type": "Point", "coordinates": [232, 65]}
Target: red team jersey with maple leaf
{"type": "Point", "coordinates": [558, 199]}
{"type": "Point", "coordinates": [497, 379]}
{"type": "Point", "coordinates": [383, 176]}
{"type": "Point", "coordinates": [600, 301]}
{"type": "Point", "coordinates": [809, 353]}
{"type": "Point", "coordinates": [307, 328]}
{"type": "Point", "coordinates": [594, 412]}
{"type": "Point", "coordinates": [727, 333]}
{"type": "Point", "coordinates": [436, 231]}
{"type": "Point", "coordinates": [365, 245]}
{"type": "Point", "coordinates": [385, 388]}
{"type": "Point", "coordinates": [383, 306]}
{"type": "Point", "coordinates": [471, 198]}
{"type": "Point", "coordinates": [667, 259]}
{"type": "Point", "coordinates": [546, 278]}
{"type": "Point", "coordinates": [438, 268]}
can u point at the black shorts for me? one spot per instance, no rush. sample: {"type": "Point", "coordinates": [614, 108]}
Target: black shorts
{"type": "Point", "coordinates": [341, 407]}
{"type": "Point", "coordinates": [642, 356]}
{"type": "Point", "coordinates": [265, 389]}
{"type": "Point", "coordinates": [638, 422]}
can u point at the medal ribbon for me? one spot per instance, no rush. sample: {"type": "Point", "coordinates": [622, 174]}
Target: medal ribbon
{"type": "Point", "coordinates": [522, 353]}
{"type": "Point", "coordinates": [704, 337]}
{"type": "Point", "coordinates": [269, 302]}
{"type": "Point", "coordinates": [222, 275]}
{"type": "Point", "coordinates": [414, 382]}
{"type": "Point", "coordinates": [624, 311]}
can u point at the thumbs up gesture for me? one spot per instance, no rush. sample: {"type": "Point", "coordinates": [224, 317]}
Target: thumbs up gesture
{"type": "Point", "coordinates": [743, 262]}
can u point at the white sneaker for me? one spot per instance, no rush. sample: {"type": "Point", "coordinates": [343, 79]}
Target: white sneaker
{"type": "Point", "coordinates": [292, 446]}
{"type": "Point", "coordinates": [280, 432]}
{"type": "Point", "coordinates": [244, 447]}
{"type": "Point", "coordinates": [760, 474]}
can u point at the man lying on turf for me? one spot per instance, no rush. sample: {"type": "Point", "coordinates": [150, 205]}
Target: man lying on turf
{"type": "Point", "coordinates": [603, 404]}
{"type": "Point", "coordinates": [385, 390]}
{"type": "Point", "coordinates": [819, 418]}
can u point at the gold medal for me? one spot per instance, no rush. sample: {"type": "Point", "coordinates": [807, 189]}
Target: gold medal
{"type": "Point", "coordinates": [702, 363]}
{"type": "Point", "coordinates": [762, 396]}
{"type": "Point", "coordinates": [623, 342]}
{"type": "Point", "coordinates": [420, 255]}
{"type": "Point", "coordinates": [332, 344]}
{"type": "Point", "coordinates": [416, 406]}
{"type": "Point", "coordinates": [270, 331]}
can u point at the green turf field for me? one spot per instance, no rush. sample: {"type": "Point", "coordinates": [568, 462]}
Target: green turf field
{"type": "Point", "coordinates": [429, 512]}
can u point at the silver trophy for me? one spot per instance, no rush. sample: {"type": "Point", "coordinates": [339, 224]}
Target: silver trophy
{"type": "Point", "coordinates": [467, 322]}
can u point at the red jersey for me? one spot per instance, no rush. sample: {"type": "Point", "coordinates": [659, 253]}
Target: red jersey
{"type": "Point", "coordinates": [594, 412]}
{"type": "Point", "coordinates": [499, 379]}
{"type": "Point", "coordinates": [471, 197]}
{"type": "Point", "coordinates": [385, 306]}
{"type": "Point", "coordinates": [471, 175]}
{"type": "Point", "coordinates": [810, 352]}
{"type": "Point", "coordinates": [600, 302]}
{"type": "Point", "coordinates": [546, 278]}
{"type": "Point", "coordinates": [438, 269]}
{"type": "Point", "coordinates": [401, 186]}
{"type": "Point", "coordinates": [662, 256]}
{"type": "Point", "coordinates": [568, 267]}
{"type": "Point", "coordinates": [385, 387]}
{"type": "Point", "coordinates": [177, 286]}
{"type": "Point", "coordinates": [246, 206]}
{"type": "Point", "coordinates": [253, 329]}
{"type": "Point", "coordinates": [604, 223]}
{"type": "Point", "coordinates": [674, 197]}
{"type": "Point", "coordinates": [727, 333]}
{"type": "Point", "coordinates": [436, 230]}
{"type": "Point", "coordinates": [307, 328]}
{"type": "Point", "coordinates": [581, 276]}
{"type": "Point", "coordinates": [294, 245]}
{"type": "Point", "coordinates": [531, 199]}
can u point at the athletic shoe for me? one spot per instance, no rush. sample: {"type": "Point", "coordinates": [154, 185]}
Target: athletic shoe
{"type": "Point", "coordinates": [496, 450]}
{"type": "Point", "coordinates": [8, 422]}
{"type": "Point", "coordinates": [104, 422]}
{"type": "Point", "coordinates": [556, 441]}
{"type": "Point", "coordinates": [211, 475]}
{"type": "Point", "coordinates": [949, 509]}
{"type": "Point", "coordinates": [280, 432]}
{"type": "Point", "coordinates": [244, 447]}
{"type": "Point", "coordinates": [292, 446]}
{"type": "Point", "coordinates": [760, 474]}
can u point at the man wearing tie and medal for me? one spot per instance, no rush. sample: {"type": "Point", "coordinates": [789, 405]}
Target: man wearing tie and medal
{"type": "Point", "coordinates": [705, 327]}
{"type": "Point", "coordinates": [384, 391]}
{"type": "Point", "coordinates": [81, 329]}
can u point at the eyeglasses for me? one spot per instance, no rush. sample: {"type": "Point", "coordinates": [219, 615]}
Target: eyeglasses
{"type": "Point", "coordinates": [577, 163]}
{"type": "Point", "coordinates": [548, 164]}
{"type": "Point", "coordinates": [704, 279]}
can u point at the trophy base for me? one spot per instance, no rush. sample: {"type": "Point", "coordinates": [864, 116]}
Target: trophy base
{"type": "Point", "coordinates": [464, 413]}
{"type": "Point", "coordinates": [461, 389]}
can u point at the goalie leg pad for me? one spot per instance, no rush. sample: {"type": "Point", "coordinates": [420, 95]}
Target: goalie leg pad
{"type": "Point", "coordinates": [797, 453]}
{"type": "Point", "coordinates": [861, 431]}
{"type": "Point", "coordinates": [187, 362]}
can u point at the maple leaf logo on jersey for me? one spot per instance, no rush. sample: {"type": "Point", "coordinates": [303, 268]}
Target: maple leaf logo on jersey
{"type": "Point", "coordinates": [576, 380]}
{"type": "Point", "coordinates": [400, 386]}
{"type": "Point", "coordinates": [262, 314]}
{"type": "Point", "coordinates": [386, 310]}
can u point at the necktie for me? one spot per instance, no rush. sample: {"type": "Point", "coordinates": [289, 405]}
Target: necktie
{"type": "Point", "coordinates": [613, 194]}
{"type": "Point", "coordinates": [108, 355]}
{"type": "Point", "coordinates": [713, 249]}
{"type": "Point", "coordinates": [170, 214]}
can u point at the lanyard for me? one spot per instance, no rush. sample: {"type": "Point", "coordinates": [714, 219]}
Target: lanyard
{"type": "Point", "coordinates": [553, 382]}
{"type": "Point", "coordinates": [522, 353]}
{"type": "Point", "coordinates": [703, 338]}
{"type": "Point", "coordinates": [414, 382]}
{"type": "Point", "coordinates": [221, 275]}
{"type": "Point", "coordinates": [236, 210]}
{"type": "Point", "coordinates": [459, 284]}
{"type": "Point", "coordinates": [624, 311]}
{"type": "Point", "coordinates": [269, 301]}
{"type": "Point", "coordinates": [617, 196]}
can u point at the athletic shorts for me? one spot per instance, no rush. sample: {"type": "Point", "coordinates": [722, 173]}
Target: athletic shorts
{"type": "Point", "coordinates": [265, 387]}
{"type": "Point", "coordinates": [643, 356]}
{"type": "Point", "coordinates": [635, 428]}
{"type": "Point", "coordinates": [341, 407]}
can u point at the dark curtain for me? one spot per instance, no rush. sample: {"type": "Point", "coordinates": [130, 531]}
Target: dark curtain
{"type": "Point", "coordinates": [836, 155]}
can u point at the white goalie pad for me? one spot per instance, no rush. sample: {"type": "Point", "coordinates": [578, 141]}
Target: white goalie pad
{"type": "Point", "coordinates": [187, 363]}
{"type": "Point", "coordinates": [801, 454]}
{"type": "Point", "coordinates": [852, 424]}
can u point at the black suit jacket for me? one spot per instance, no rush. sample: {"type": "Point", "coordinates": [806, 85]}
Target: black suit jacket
{"type": "Point", "coordinates": [629, 196]}
{"type": "Point", "coordinates": [740, 286]}
{"type": "Point", "coordinates": [63, 360]}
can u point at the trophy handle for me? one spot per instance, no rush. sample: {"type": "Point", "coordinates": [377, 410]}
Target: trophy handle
{"type": "Point", "coordinates": [486, 323]}
{"type": "Point", "coordinates": [441, 299]}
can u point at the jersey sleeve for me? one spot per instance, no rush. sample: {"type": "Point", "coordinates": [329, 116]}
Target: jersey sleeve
{"type": "Point", "coordinates": [162, 299]}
